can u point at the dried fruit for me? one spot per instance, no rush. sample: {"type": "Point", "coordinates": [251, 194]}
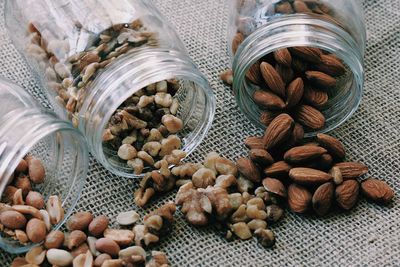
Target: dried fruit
{"type": "Point", "coordinates": [306, 176]}
{"type": "Point", "coordinates": [299, 199]}
{"type": "Point", "coordinates": [377, 190]}
{"type": "Point", "coordinates": [278, 131]}
{"type": "Point", "coordinates": [322, 198]}
{"type": "Point", "coordinates": [273, 79]}
{"type": "Point", "coordinates": [351, 170]}
{"type": "Point", "coordinates": [300, 154]}
{"type": "Point", "coordinates": [347, 194]}
{"type": "Point", "coordinates": [333, 145]}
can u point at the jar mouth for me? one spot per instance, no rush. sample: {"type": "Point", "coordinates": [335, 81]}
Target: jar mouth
{"type": "Point", "coordinates": [62, 150]}
{"type": "Point", "coordinates": [131, 73]}
{"type": "Point", "coordinates": [300, 30]}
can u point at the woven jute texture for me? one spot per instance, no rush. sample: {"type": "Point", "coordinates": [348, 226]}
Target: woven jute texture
{"type": "Point", "coordinates": [366, 236]}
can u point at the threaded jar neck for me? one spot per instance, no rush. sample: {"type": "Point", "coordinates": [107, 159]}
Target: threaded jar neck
{"type": "Point", "coordinates": [127, 75]}
{"type": "Point", "coordinates": [301, 30]}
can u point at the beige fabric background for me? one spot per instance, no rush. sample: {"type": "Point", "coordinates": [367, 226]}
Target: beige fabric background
{"type": "Point", "coordinates": [366, 236]}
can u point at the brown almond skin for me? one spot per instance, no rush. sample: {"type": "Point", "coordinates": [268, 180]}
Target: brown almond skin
{"type": "Point", "coordinates": [267, 117]}
{"type": "Point", "coordinates": [299, 65]}
{"type": "Point", "coordinates": [301, 7]}
{"type": "Point", "coordinates": [254, 74]}
{"type": "Point", "coordinates": [299, 198]}
{"type": "Point", "coordinates": [351, 170]}
{"type": "Point", "coordinates": [79, 221]}
{"type": "Point", "coordinates": [324, 163]}
{"type": "Point", "coordinates": [36, 171]}
{"type": "Point", "coordinates": [310, 117]}
{"type": "Point", "coordinates": [300, 154]}
{"type": "Point", "coordinates": [309, 176]}
{"type": "Point", "coordinates": [333, 145]}
{"type": "Point", "coordinates": [261, 156]}
{"type": "Point", "coordinates": [35, 199]}
{"type": "Point", "coordinates": [237, 40]}
{"type": "Point", "coordinates": [273, 79]}
{"type": "Point", "coordinates": [297, 134]}
{"type": "Point", "coordinates": [275, 186]}
{"type": "Point", "coordinates": [309, 54]}
{"type": "Point", "coordinates": [107, 245]}
{"type": "Point", "coordinates": [248, 169]}
{"type": "Point", "coordinates": [54, 239]}
{"type": "Point", "coordinates": [315, 98]}
{"type": "Point", "coordinates": [268, 100]}
{"type": "Point", "coordinates": [286, 73]}
{"type": "Point", "coordinates": [76, 238]}
{"type": "Point", "coordinates": [377, 191]}
{"type": "Point", "coordinates": [254, 142]}
{"type": "Point", "coordinates": [322, 198]}
{"type": "Point", "coordinates": [283, 57]}
{"type": "Point", "coordinates": [331, 65]}
{"type": "Point", "coordinates": [347, 194]}
{"type": "Point", "coordinates": [98, 225]}
{"type": "Point", "coordinates": [321, 80]}
{"type": "Point", "coordinates": [278, 169]}
{"type": "Point", "coordinates": [13, 219]}
{"type": "Point", "coordinates": [36, 230]}
{"type": "Point", "coordinates": [294, 92]}
{"type": "Point", "coordinates": [278, 131]}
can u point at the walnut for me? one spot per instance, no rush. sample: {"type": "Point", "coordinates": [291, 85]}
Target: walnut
{"type": "Point", "coordinates": [175, 157]}
{"type": "Point", "coordinates": [166, 214]}
{"type": "Point", "coordinates": [155, 135]}
{"type": "Point", "coordinates": [142, 196]}
{"type": "Point", "coordinates": [236, 200]}
{"type": "Point", "coordinates": [186, 170]}
{"type": "Point", "coordinates": [225, 181]}
{"type": "Point", "coordinates": [157, 259]}
{"type": "Point", "coordinates": [225, 166]}
{"type": "Point", "coordinates": [209, 161]}
{"type": "Point", "coordinates": [152, 147]}
{"type": "Point", "coordinates": [220, 201]}
{"type": "Point", "coordinates": [195, 204]}
{"type": "Point", "coordinates": [244, 185]}
{"type": "Point", "coordinates": [145, 100]}
{"type": "Point", "coordinates": [163, 167]}
{"type": "Point", "coordinates": [240, 214]}
{"type": "Point", "coordinates": [169, 144]}
{"type": "Point", "coordinates": [203, 177]}
{"type": "Point", "coordinates": [143, 237]}
{"type": "Point", "coordinates": [265, 237]}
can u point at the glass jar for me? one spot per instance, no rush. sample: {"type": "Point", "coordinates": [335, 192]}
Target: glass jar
{"type": "Point", "coordinates": [95, 57]}
{"type": "Point", "coordinates": [29, 129]}
{"type": "Point", "coordinates": [298, 39]}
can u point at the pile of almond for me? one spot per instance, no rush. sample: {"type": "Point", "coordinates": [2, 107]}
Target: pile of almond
{"type": "Point", "coordinates": [24, 214]}
{"type": "Point", "coordinates": [90, 242]}
{"type": "Point", "coordinates": [313, 174]}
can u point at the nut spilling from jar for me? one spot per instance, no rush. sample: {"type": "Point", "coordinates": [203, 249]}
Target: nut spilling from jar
{"type": "Point", "coordinates": [25, 216]}
{"type": "Point", "coordinates": [90, 241]}
{"type": "Point", "coordinates": [143, 129]}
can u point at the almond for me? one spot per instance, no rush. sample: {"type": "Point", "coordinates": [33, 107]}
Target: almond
{"type": "Point", "coordinates": [320, 79]}
{"type": "Point", "coordinates": [248, 169]}
{"type": "Point", "coordinates": [273, 79]}
{"type": "Point", "coordinates": [283, 57]}
{"type": "Point", "coordinates": [13, 219]}
{"type": "Point", "coordinates": [278, 169]}
{"type": "Point", "coordinates": [294, 92]}
{"type": "Point", "coordinates": [322, 198]}
{"type": "Point", "coordinates": [236, 42]}
{"type": "Point", "coordinates": [278, 131]}
{"type": "Point", "coordinates": [254, 142]}
{"type": "Point", "coordinates": [337, 175]}
{"type": "Point", "coordinates": [310, 117]}
{"type": "Point", "coordinates": [299, 198]}
{"type": "Point", "coordinates": [310, 54]}
{"type": "Point", "coordinates": [274, 186]}
{"type": "Point", "coordinates": [351, 170]}
{"type": "Point", "coordinates": [331, 65]}
{"type": "Point", "coordinates": [261, 156]}
{"type": "Point", "coordinates": [268, 100]}
{"type": "Point", "coordinates": [324, 162]}
{"type": "Point", "coordinates": [333, 145]}
{"type": "Point", "coordinates": [267, 117]}
{"type": "Point", "coordinates": [315, 98]}
{"type": "Point", "coordinates": [347, 194]}
{"type": "Point", "coordinates": [377, 190]}
{"type": "Point", "coordinates": [301, 7]}
{"type": "Point", "coordinates": [297, 134]}
{"type": "Point", "coordinates": [286, 73]}
{"type": "Point", "coordinates": [299, 65]}
{"type": "Point", "coordinates": [36, 230]}
{"type": "Point", "coordinates": [303, 153]}
{"type": "Point", "coordinates": [254, 73]}
{"type": "Point", "coordinates": [310, 176]}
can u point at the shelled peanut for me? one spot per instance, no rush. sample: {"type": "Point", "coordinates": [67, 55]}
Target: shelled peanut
{"type": "Point", "coordinates": [25, 216]}
{"type": "Point", "coordinates": [314, 174]}
{"type": "Point", "coordinates": [90, 241]}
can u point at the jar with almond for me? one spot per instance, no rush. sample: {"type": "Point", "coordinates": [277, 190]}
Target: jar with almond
{"type": "Point", "coordinates": [43, 166]}
{"type": "Point", "coordinates": [119, 72]}
{"type": "Point", "coordinates": [301, 57]}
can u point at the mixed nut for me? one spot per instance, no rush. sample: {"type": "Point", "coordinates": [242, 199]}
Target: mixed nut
{"type": "Point", "coordinates": [25, 216]}
{"type": "Point", "coordinates": [90, 241]}
{"type": "Point", "coordinates": [143, 129]}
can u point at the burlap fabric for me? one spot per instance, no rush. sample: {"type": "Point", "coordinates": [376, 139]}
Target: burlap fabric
{"type": "Point", "coordinates": [366, 236]}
